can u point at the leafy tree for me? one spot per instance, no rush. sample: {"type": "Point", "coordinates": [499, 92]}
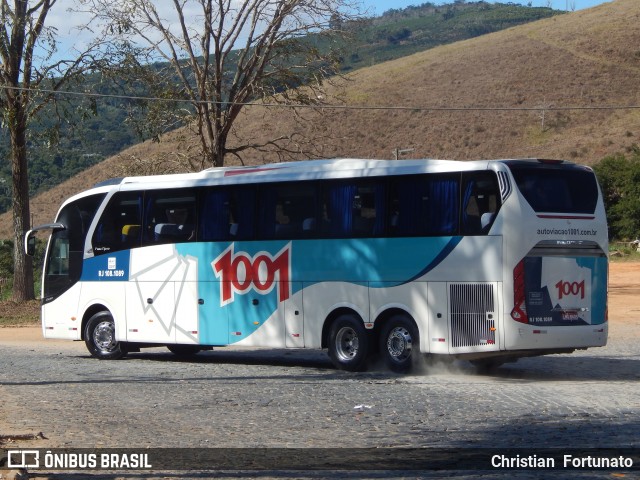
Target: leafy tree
{"type": "Point", "coordinates": [399, 35]}
{"type": "Point", "coordinates": [29, 76]}
{"type": "Point", "coordinates": [6, 263]}
{"type": "Point", "coordinates": [223, 54]}
{"type": "Point", "coordinates": [6, 258]}
{"type": "Point", "coordinates": [619, 178]}
{"type": "Point", "coordinates": [22, 27]}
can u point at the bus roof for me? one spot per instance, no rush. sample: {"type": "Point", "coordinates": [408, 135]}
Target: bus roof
{"type": "Point", "coordinates": [301, 170]}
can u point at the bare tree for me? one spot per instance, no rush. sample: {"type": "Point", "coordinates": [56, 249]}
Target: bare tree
{"type": "Point", "coordinates": [29, 77]}
{"type": "Point", "coordinates": [224, 54]}
{"type": "Point", "coordinates": [542, 114]}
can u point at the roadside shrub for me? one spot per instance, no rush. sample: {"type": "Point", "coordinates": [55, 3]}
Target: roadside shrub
{"type": "Point", "coordinates": [619, 178]}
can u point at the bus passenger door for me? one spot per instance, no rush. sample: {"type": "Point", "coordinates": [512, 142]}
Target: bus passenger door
{"type": "Point", "coordinates": [187, 312]}
{"type": "Point", "coordinates": [294, 318]}
{"type": "Point", "coordinates": [150, 312]}
{"type": "Point", "coordinates": [156, 286]}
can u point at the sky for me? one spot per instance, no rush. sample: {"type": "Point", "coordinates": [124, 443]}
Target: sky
{"type": "Point", "coordinates": [70, 38]}
{"type": "Point", "coordinates": [60, 16]}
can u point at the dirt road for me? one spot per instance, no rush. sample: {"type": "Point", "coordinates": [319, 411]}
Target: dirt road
{"type": "Point", "coordinates": [284, 399]}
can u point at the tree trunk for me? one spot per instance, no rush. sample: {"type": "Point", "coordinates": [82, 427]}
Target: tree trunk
{"type": "Point", "coordinates": [213, 138]}
{"type": "Point", "coordinates": [219, 150]}
{"type": "Point", "coordinates": [22, 264]}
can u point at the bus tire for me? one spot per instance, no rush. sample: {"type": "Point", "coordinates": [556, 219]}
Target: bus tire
{"type": "Point", "coordinates": [348, 343]}
{"type": "Point", "coordinates": [184, 350]}
{"type": "Point", "coordinates": [100, 337]}
{"type": "Point", "coordinates": [400, 344]}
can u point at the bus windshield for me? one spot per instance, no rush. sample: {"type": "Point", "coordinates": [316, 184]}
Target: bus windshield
{"type": "Point", "coordinates": [64, 260]}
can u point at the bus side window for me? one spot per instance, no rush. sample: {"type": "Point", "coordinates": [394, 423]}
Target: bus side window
{"type": "Point", "coordinates": [480, 203]}
{"type": "Point", "coordinates": [227, 213]}
{"type": "Point", "coordinates": [119, 225]}
{"type": "Point", "coordinates": [354, 208]}
{"type": "Point", "coordinates": [424, 205]}
{"type": "Point", "coordinates": [169, 216]}
{"type": "Point", "coordinates": [288, 210]}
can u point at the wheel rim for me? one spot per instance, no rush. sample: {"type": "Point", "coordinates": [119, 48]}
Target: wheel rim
{"type": "Point", "coordinates": [104, 337]}
{"type": "Point", "coordinates": [346, 344]}
{"type": "Point", "coordinates": [399, 344]}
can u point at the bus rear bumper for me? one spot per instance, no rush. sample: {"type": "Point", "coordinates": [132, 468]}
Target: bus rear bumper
{"type": "Point", "coordinates": [512, 355]}
{"type": "Point", "coordinates": [529, 337]}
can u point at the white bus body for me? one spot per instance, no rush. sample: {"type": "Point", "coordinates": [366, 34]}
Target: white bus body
{"type": "Point", "coordinates": [485, 260]}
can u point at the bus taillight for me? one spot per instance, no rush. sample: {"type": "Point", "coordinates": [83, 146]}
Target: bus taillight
{"type": "Point", "coordinates": [519, 312]}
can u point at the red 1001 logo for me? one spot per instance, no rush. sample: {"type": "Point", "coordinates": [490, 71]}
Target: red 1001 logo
{"type": "Point", "coordinates": [239, 273]}
{"type": "Point", "coordinates": [566, 289]}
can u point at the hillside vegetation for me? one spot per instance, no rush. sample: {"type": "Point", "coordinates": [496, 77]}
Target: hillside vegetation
{"type": "Point", "coordinates": [588, 58]}
{"type": "Point", "coordinates": [401, 32]}
{"type": "Point", "coordinates": [100, 128]}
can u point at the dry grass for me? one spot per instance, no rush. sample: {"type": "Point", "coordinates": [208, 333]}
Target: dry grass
{"type": "Point", "coordinates": [585, 58]}
{"type": "Point", "coordinates": [12, 313]}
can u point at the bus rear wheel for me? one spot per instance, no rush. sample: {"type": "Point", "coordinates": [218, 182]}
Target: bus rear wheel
{"type": "Point", "coordinates": [399, 344]}
{"type": "Point", "coordinates": [100, 337]}
{"type": "Point", "coordinates": [348, 343]}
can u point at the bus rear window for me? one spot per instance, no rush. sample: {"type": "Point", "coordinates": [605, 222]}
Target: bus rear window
{"type": "Point", "coordinates": [558, 189]}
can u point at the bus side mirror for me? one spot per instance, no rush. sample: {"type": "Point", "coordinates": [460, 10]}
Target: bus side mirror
{"type": "Point", "coordinates": [30, 244]}
{"type": "Point", "coordinates": [30, 239]}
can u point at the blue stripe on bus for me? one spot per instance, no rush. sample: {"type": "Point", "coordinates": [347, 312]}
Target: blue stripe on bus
{"type": "Point", "coordinates": [378, 263]}
{"type": "Point", "coordinates": [109, 267]}
{"type": "Point", "coordinates": [444, 253]}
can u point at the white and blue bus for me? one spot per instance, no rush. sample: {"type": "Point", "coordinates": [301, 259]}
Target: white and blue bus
{"type": "Point", "coordinates": [487, 261]}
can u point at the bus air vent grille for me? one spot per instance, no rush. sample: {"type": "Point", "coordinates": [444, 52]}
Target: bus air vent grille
{"type": "Point", "coordinates": [472, 314]}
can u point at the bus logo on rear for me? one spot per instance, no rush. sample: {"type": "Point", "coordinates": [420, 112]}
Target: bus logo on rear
{"type": "Point", "coordinates": [566, 289]}
{"type": "Point", "coordinates": [240, 273]}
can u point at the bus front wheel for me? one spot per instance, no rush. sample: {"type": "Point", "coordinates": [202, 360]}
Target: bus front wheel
{"type": "Point", "coordinates": [100, 337]}
{"type": "Point", "coordinates": [348, 343]}
{"type": "Point", "coordinates": [399, 344]}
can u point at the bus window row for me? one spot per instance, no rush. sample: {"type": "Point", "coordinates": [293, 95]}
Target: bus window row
{"type": "Point", "coordinates": [411, 205]}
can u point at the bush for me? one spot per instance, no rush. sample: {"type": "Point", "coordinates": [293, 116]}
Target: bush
{"type": "Point", "coordinates": [619, 179]}
{"type": "Point", "coordinates": [6, 267]}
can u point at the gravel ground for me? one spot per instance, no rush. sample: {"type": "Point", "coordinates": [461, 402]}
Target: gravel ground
{"type": "Point", "coordinates": [256, 399]}
{"type": "Point", "coordinates": [286, 399]}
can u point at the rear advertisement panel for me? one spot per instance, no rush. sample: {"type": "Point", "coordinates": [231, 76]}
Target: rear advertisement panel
{"type": "Point", "coordinates": [564, 291]}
